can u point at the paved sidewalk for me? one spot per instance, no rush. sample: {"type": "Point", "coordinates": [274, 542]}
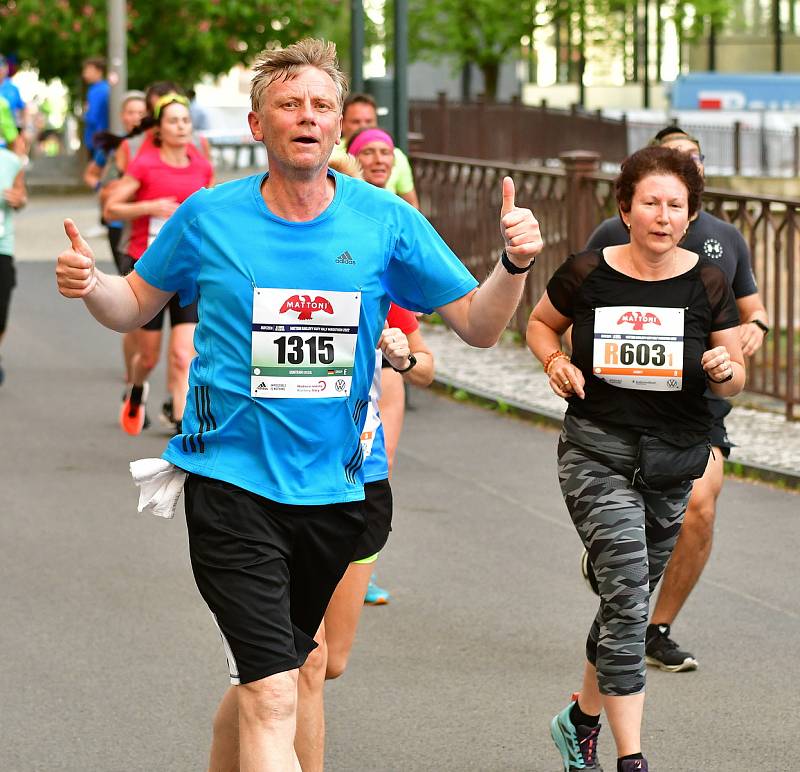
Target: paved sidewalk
{"type": "Point", "coordinates": [508, 373]}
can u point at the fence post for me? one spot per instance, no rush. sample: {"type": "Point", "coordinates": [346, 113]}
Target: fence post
{"type": "Point", "coordinates": [444, 117]}
{"type": "Point", "coordinates": [796, 153]}
{"type": "Point", "coordinates": [483, 138]}
{"type": "Point", "coordinates": [737, 148]}
{"type": "Point", "coordinates": [516, 127]}
{"type": "Point", "coordinates": [580, 208]}
{"type": "Point", "coordinates": [626, 151]}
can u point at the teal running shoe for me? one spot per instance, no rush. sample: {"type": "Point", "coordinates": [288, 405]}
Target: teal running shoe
{"type": "Point", "coordinates": [576, 744]}
{"type": "Point", "coordinates": [376, 596]}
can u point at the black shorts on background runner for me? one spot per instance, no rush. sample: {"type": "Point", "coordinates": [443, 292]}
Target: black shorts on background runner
{"type": "Point", "coordinates": [266, 570]}
{"type": "Point", "coordinates": [378, 514]}
{"type": "Point", "coordinates": [122, 259]}
{"type": "Point", "coordinates": [8, 280]}
{"type": "Point", "coordinates": [177, 315]}
{"type": "Point", "coordinates": [719, 434]}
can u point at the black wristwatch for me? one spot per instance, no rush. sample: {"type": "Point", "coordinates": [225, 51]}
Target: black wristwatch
{"type": "Point", "coordinates": [761, 326]}
{"type": "Point", "coordinates": [514, 270]}
{"type": "Point", "coordinates": [412, 360]}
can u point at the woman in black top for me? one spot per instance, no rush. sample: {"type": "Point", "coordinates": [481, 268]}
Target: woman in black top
{"type": "Point", "coordinates": [652, 325]}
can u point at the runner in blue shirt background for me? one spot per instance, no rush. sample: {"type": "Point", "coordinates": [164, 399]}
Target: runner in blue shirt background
{"type": "Point", "coordinates": [95, 118]}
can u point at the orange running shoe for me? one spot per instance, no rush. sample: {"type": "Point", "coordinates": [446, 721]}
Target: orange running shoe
{"type": "Point", "coordinates": [131, 416]}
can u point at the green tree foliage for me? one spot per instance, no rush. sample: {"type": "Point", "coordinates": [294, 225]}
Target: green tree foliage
{"type": "Point", "coordinates": [487, 32]}
{"type": "Point", "coordinates": [479, 32]}
{"type": "Point", "coordinates": [179, 40]}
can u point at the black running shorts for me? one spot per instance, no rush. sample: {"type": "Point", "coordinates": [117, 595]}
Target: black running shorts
{"type": "Point", "coordinates": [719, 434]}
{"type": "Point", "coordinates": [122, 259]}
{"type": "Point", "coordinates": [378, 514]}
{"type": "Point", "coordinates": [8, 280]}
{"type": "Point", "coordinates": [177, 315]}
{"type": "Point", "coordinates": [266, 570]}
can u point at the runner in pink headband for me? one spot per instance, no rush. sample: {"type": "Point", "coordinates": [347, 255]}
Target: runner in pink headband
{"type": "Point", "coordinates": [363, 138]}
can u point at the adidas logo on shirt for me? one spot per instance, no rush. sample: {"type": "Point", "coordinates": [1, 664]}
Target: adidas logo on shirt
{"type": "Point", "coordinates": [346, 259]}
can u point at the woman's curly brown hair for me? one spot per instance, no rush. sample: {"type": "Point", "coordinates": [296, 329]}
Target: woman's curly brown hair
{"type": "Point", "coordinates": [658, 160]}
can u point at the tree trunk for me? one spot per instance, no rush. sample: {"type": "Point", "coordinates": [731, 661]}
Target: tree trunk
{"type": "Point", "coordinates": [491, 74]}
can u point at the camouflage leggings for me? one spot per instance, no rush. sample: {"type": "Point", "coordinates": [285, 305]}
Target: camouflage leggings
{"type": "Point", "coordinates": [629, 534]}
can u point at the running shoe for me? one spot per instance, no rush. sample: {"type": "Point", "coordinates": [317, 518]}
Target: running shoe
{"type": "Point", "coordinates": [662, 652]}
{"type": "Point", "coordinates": [588, 572]}
{"type": "Point", "coordinates": [167, 416]}
{"type": "Point", "coordinates": [146, 415]}
{"type": "Point", "coordinates": [376, 596]}
{"type": "Point", "coordinates": [634, 765]}
{"type": "Point", "coordinates": [576, 744]}
{"type": "Point", "coordinates": [132, 415]}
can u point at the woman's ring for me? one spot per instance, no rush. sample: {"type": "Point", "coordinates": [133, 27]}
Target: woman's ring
{"type": "Point", "coordinates": [566, 382]}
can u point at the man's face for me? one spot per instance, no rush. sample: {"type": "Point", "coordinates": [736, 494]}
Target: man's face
{"type": "Point", "coordinates": [358, 115]}
{"type": "Point", "coordinates": [91, 74]}
{"type": "Point", "coordinates": [685, 145]}
{"type": "Point", "coordinates": [299, 121]}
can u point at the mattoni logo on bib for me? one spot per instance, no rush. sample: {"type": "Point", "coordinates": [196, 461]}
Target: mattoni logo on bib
{"type": "Point", "coordinates": [638, 319]}
{"type": "Point", "coordinates": [305, 306]}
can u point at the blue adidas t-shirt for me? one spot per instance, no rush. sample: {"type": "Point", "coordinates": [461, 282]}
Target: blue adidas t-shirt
{"type": "Point", "coordinates": [220, 246]}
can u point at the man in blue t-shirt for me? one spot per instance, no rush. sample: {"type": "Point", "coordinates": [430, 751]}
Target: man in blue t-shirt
{"type": "Point", "coordinates": [293, 271]}
{"type": "Point", "coordinates": [721, 242]}
{"type": "Point", "coordinates": [11, 94]}
{"type": "Point", "coordinates": [97, 95]}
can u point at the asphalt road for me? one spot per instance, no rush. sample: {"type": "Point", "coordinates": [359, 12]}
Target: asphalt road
{"type": "Point", "coordinates": [112, 663]}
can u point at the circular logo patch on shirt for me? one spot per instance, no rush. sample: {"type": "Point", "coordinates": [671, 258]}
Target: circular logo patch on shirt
{"type": "Point", "coordinates": [712, 248]}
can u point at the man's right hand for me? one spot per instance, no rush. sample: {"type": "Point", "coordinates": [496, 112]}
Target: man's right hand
{"type": "Point", "coordinates": [75, 270]}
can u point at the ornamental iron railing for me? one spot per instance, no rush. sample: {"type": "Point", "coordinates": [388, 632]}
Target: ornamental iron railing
{"type": "Point", "coordinates": [462, 197]}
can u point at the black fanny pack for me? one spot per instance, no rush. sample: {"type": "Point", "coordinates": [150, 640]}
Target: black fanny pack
{"type": "Point", "coordinates": [661, 465]}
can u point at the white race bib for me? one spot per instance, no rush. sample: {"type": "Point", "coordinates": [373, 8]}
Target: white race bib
{"type": "Point", "coordinates": [304, 342]}
{"type": "Point", "coordinates": [154, 225]}
{"type": "Point", "coordinates": [639, 347]}
{"type": "Point", "coordinates": [371, 425]}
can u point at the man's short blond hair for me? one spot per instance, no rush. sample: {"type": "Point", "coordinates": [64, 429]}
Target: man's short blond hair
{"type": "Point", "coordinates": [285, 63]}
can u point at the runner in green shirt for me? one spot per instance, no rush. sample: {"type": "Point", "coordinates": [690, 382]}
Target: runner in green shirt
{"type": "Point", "coordinates": [360, 111]}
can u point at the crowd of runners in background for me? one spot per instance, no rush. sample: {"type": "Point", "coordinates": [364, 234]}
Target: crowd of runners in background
{"type": "Point", "coordinates": [176, 242]}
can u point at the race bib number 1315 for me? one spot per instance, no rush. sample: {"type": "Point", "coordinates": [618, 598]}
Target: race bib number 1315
{"type": "Point", "coordinates": [304, 342]}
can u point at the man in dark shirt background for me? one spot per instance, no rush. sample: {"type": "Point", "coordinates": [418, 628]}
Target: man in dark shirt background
{"type": "Point", "coordinates": [721, 242]}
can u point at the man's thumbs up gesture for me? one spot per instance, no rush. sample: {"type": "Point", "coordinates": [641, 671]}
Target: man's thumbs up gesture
{"type": "Point", "coordinates": [75, 271]}
{"type": "Point", "coordinates": [519, 228]}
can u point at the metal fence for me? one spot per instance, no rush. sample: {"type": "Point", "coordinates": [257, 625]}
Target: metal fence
{"type": "Point", "coordinates": [462, 197]}
{"type": "Point", "coordinates": [516, 133]}
{"type": "Point", "coordinates": [735, 149]}
{"type": "Point", "coordinates": [511, 131]}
